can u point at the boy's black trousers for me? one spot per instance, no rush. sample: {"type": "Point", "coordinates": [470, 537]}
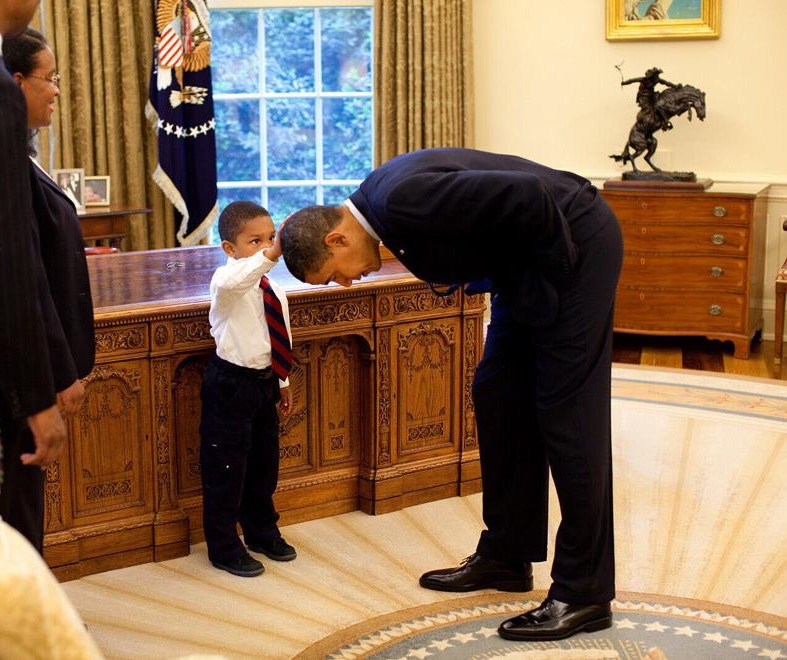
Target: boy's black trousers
{"type": "Point", "coordinates": [239, 457]}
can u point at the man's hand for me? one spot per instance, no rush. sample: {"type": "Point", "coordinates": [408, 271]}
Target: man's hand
{"type": "Point", "coordinates": [285, 403]}
{"type": "Point", "coordinates": [72, 397]}
{"type": "Point", "coordinates": [49, 433]}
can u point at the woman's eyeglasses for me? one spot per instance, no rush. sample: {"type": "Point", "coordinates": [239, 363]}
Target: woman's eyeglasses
{"type": "Point", "coordinates": [53, 79]}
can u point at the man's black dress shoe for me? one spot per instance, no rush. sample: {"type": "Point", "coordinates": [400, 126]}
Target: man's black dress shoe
{"type": "Point", "coordinates": [476, 572]}
{"type": "Point", "coordinates": [554, 619]}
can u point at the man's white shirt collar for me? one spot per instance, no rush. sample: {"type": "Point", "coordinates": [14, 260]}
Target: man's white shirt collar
{"type": "Point", "coordinates": [361, 220]}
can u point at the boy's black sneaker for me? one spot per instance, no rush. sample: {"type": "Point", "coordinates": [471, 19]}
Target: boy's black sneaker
{"type": "Point", "coordinates": [245, 566]}
{"type": "Point", "coordinates": [278, 550]}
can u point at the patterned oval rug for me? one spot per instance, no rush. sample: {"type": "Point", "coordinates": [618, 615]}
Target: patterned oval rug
{"type": "Point", "coordinates": [644, 626]}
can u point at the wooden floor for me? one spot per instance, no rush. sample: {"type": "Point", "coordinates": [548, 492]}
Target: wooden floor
{"type": "Point", "coordinates": [696, 353]}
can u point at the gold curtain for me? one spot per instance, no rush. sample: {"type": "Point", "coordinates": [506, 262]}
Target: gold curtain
{"type": "Point", "coordinates": [423, 76]}
{"type": "Point", "coordinates": [103, 49]}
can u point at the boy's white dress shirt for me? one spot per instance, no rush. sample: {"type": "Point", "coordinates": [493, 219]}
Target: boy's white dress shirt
{"type": "Point", "coordinates": [237, 314]}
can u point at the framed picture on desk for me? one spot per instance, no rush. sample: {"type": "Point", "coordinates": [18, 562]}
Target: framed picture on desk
{"type": "Point", "coordinates": [72, 183]}
{"type": "Point", "coordinates": [96, 191]}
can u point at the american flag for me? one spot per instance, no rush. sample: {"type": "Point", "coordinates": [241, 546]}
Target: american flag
{"type": "Point", "coordinates": [181, 105]}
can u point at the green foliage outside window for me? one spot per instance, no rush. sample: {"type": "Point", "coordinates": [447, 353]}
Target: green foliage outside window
{"type": "Point", "coordinates": [293, 96]}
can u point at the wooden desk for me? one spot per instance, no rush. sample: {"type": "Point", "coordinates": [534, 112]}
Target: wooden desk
{"type": "Point", "coordinates": [107, 223]}
{"type": "Point", "coordinates": [382, 418]}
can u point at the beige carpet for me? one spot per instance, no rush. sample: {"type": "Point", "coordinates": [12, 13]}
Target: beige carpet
{"type": "Point", "coordinates": [701, 513]}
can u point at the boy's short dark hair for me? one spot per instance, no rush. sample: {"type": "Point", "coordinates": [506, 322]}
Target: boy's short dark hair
{"type": "Point", "coordinates": [235, 215]}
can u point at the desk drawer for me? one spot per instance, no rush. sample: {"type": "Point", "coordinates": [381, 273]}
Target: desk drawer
{"type": "Point", "coordinates": [657, 209]}
{"type": "Point", "coordinates": [685, 239]}
{"type": "Point", "coordinates": [678, 311]}
{"type": "Point", "coordinates": [664, 270]}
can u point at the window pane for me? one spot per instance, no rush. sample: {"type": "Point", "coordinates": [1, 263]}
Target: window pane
{"type": "Point", "coordinates": [227, 195]}
{"type": "Point", "coordinates": [346, 49]}
{"type": "Point", "coordinates": [289, 50]}
{"type": "Point", "coordinates": [235, 56]}
{"type": "Point", "coordinates": [291, 149]}
{"type": "Point", "coordinates": [286, 200]}
{"type": "Point", "coordinates": [337, 194]}
{"type": "Point", "coordinates": [347, 143]}
{"type": "Point", "coordinates": [238, 140]}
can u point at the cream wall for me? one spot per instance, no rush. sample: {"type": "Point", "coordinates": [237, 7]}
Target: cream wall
{"type": "Point", "coordinates": [546, 88]}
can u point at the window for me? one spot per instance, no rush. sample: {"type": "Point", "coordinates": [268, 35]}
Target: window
{"type": "Point", "coordinates": [292, 89]}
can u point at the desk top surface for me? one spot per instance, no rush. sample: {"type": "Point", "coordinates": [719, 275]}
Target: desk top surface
{"type": "Point", "coordinates": [142, 282]}
{"type": "Point", "coordinates": [111, 209]}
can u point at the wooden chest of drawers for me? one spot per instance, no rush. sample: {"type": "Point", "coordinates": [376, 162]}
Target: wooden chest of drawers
{"type": "Point", "coordinates": [693, 262]}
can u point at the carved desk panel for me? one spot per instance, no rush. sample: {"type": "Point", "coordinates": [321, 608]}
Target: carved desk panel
{"type": "Point", "coordinates": [382, 417]}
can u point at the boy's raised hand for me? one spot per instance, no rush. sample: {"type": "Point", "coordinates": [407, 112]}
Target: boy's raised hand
{"type": "Point", "coordinates": [273, 253]}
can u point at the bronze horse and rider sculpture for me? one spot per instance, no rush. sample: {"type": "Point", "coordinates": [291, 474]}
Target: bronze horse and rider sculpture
{"type": "Point", "coordinates": [656, 110]}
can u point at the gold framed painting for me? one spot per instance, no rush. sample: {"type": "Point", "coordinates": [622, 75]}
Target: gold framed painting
{"type": "Point", "coordinates": [649, 20]}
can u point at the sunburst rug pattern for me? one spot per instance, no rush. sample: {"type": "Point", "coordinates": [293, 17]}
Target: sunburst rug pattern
{"type": "Point", "coordinates": [700, 525]}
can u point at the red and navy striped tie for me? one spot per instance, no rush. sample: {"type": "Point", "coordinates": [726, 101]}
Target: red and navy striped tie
{"type": "Point", "coordinates": [281, 351]}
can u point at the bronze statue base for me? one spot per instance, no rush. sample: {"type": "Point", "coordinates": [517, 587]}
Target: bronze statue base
{"type": "Point", "coordinates": [659, 176]}
{"type": "Point", "coordinates": [652, 183]}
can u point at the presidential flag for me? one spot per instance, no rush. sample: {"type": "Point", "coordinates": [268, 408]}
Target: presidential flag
{"type": "Point", "coordinates": [181, 104]}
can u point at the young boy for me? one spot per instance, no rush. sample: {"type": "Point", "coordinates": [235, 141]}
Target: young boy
{"type": "Point", "coordinates": [239, 453]}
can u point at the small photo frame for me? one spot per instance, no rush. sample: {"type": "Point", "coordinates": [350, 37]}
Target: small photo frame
{"type": "Point", "coordinates": [72, 183]}
{"type": "Point", "coordinates": [96, 191]}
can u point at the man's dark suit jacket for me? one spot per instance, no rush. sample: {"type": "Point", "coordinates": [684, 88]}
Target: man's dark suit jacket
{"type": "Point", "coordinates": [70, 318]}
{"type": "Point", "coordinates": [460, 215]}
{"type": "Point", "coordinates": [26, 384]}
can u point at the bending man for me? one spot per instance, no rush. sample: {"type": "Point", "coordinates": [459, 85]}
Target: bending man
{"type": "Point", "coordinates": [550, 249]}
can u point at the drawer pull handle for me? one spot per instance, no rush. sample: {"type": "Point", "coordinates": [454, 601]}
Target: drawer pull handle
{"type": "Point", "coordinates": [715, 310]}
{"type": "Point", "coordinates": [716, 271]}
{"type": "Point", "coordinates": [719, 211]}
{"type": "Point", "coordinates": [718, 239]}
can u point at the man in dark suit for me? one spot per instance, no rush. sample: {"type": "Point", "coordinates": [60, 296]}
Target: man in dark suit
{"type": "Point", "coordinates": [549, 249]}
{"type": "Point", "coordinates": [27, 393]}
{"type": "Point", "coordinates": [64, 289]}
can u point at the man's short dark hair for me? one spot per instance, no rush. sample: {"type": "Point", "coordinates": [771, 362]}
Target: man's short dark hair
{"type": "Point", "coordinates": [303, 238]}
{"type": "Point", "coordinates": [235, 216]}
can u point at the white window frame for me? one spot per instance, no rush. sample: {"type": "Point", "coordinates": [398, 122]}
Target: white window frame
{"type": "Point", "coordinates": [264, 182]}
